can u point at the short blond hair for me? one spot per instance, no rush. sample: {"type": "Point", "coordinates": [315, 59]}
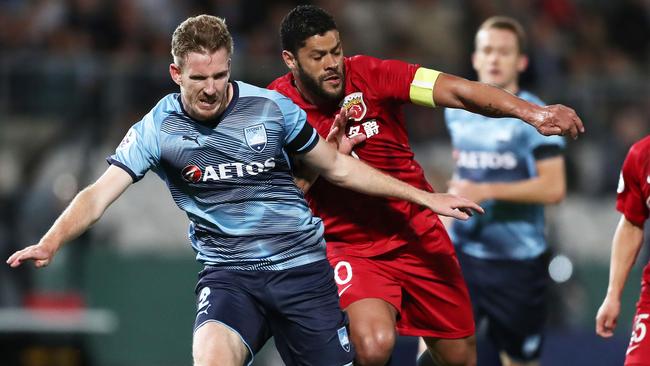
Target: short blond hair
{"type": "Point", "coordinates": [509, 24]}
{"type": "Point", "coordinates": [202, 34]}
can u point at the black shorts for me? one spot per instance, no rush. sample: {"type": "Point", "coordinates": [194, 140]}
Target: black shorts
{"type": "Point", "coordinates": [510, 295]}
{"type": "Point", "coordinates": [299, 306]}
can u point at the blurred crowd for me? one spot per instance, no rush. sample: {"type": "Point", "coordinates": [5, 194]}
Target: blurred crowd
{"type": "Point", "coordinates": [75, 74]}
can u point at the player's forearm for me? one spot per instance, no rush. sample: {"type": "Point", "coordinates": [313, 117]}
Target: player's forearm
{"type": "Point", "coordinates": [82, 213]}
{"type": "Point", "coordinates": [355, 175]}
{"type": "Point", "coordinates": [534, 190]}
{"type": "Point", "coordinates": [455, 92]}
{"type": "Point", "coordinates": [626, 245]}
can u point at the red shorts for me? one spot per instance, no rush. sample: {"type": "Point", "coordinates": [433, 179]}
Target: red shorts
{"type": "Point", "coordinates": [422, 280]}
{"type": "Point", "coordinates": [638, 351]}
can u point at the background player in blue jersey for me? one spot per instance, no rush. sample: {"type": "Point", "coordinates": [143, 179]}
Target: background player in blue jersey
{"type": "Point", "coordinates": [513, 171]}
{"type": "Point", "coordinates": [223, 148]}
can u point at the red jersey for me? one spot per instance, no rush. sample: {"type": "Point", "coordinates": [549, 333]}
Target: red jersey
{"type": "Point", "coordinates": [361, 225]}
{"type": "Point", "coordinates": [633, 199]}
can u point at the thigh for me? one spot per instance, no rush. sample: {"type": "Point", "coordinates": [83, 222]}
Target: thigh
{"type": "Point", "coordinates": [638, 351]}
{"type": "Point", "coordinates": [222, 298]}
{"type": "Point", "coordinates": [309, 325]}
{"type": "Point", "coordinates": [435, 302]}
{"type": "Point", "coordinates": [217, 344]}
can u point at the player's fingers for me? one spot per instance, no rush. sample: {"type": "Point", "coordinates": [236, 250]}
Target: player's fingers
{"type": "Point", "coordinates": [357, 139]}
{"type": "Point", "coordinates": [331, 136]}
{"type": "Point", "coordinates": [41, 263]}
{"type": "Point", "coordinates": [459, 214]}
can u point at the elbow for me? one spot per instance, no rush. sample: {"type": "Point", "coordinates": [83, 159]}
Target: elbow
{"type": "Point", "coordinates": [556, 195]}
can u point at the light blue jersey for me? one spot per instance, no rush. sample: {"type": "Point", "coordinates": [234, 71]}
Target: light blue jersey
{"type": "Point", "coordinates": [233, 179]}
{"type": "Point", "coordinates": [498, 150]}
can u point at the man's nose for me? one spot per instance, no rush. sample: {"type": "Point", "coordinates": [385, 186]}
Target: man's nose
{"type": "Point", "coordinates": [210, 87]}
{"type": "Point", "coordinates": [331, 62]}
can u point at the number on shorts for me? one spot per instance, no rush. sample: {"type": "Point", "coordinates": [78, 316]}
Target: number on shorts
{"type": "Point", "coordinates": [337, 277]}
{"type": "Point", "coordinates": [203, 298]}
{"type": "Point", "coordinates": [640, 330]}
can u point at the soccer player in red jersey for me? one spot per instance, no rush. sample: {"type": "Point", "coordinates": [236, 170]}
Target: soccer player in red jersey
{"type": "Point", "coordinates": [394, 263]}
{"type": "Point", "coordinates": [633, 201]}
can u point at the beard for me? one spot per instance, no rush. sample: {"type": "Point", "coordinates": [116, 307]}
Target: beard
{"type": "Point", "coordinates": [315, 86]}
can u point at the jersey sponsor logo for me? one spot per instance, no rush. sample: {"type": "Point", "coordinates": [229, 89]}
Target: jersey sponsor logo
{"type": "Point", "coordinates": [194, 174]}
{"type": "Point", "coordinates": [256, 137]}
{"type": "Point", "coordinates": [344, 340]}
{"type": "Point", "coordinates": [355, 106]}
{"type": "Point", "coordinates": [486, 160]}
{"type": "Point", "coordinates": [370, 128]}
{"type": "Point", "coordinates": [128, 140]}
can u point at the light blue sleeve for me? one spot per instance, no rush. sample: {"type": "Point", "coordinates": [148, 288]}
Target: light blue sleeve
{"type": "Point", "coordinates": [299, 135]}
{"type": "Point", "coordinates": [139, 151]}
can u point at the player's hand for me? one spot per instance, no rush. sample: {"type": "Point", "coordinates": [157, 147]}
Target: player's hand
{"type": "Point", "coordinates": [40, 253]}
{"type": "Point", "coordinates": [558, 120]}
{"type": "Point", "coordinates": [476, 192]}
{"type": "Point", "coordinates": [607, 317]}
{"type": "Point", "coordinates": [453, 206]}
{"type": "Point", "coordinates": [337, 135]}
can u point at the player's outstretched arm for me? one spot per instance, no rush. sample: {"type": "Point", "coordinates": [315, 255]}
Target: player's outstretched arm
{"type": "Point", "coordinates": [348, 172]}
{"type": "Point", "coordinates": [84, 210]}
{"type": "Point", "coordinates": [455, 92]}
{"type": "Point", "coordinates": [548, 187]}
{"type": "Point", "coordinates": [626, 244]}
{"type": "Point", "coordinates": [304, 176]}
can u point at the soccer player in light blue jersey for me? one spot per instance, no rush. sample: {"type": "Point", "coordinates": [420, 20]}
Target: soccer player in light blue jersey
{"type": "Point", "coordinates": [225, 149]}
{"type": "Point", "coordinates": [513, 171]}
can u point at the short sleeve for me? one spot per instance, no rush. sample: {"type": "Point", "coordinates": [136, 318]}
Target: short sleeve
{"type": "Point", "coordinates": [390, 79]}
{"type": "Point", "coordinates": [139, 150]}
{"type": "Point", "coordinates": [629, 199]}
{"type": "Point", "coordinates": [300, 136]}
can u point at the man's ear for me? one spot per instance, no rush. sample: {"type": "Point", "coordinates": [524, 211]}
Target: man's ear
{"type": "Point", "coordinates": [522, 63]}
{"type": "Point", "coordinates": [289, 59]}
{"type": "Point", "coordinates": [175, 73]}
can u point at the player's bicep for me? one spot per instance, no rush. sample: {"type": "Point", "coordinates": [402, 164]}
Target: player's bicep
{"type": "Point", "coordinates": [110, 186]}
{"type": "Point", "coordinates": [320, 159]}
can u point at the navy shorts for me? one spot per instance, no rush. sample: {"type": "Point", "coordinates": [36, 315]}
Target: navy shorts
{"type": "Point", "coordinates": [510, 295]}
{"type": "Point", "coordinates": [298, 306]}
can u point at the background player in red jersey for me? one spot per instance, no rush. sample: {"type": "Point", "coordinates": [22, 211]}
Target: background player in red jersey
{"type": "Point", "coordinates": [394, 263]}
{"type": "Point", "coordinates": [633, 201]}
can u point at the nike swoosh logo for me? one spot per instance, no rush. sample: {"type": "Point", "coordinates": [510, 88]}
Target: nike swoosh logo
{"type": "Point", "coordinates": [344, 288]}
{"type": "Point", "coordinates": [631, 348]}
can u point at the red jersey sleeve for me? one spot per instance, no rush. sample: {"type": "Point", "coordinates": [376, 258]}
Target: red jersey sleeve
{"type": "Point", "coordinates": [387, 79]}
{"type": "Point", "coordinates": [630, 201]}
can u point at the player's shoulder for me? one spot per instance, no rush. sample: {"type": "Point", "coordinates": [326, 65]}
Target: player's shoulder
{"type": "Point", "coordinates": [264, 96]}
{"type": "Point", "coordinates": [640, 149]}
{"type": "Point", "coordinates": [168, 105]}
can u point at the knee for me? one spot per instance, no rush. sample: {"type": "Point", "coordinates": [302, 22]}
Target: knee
{"type": "Point", "coordinates": [374, 348]}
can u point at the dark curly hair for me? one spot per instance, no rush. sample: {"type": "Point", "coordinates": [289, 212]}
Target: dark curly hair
{"type": "Point", "coordinates": [302, 22]}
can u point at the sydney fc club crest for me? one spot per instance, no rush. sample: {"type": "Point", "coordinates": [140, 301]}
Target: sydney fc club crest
{"type": "Point", "coordinates": [343, 339]}
{"type": "Point", "coordinates": [256, 137]}
{"type": "Point", "coordinates": [355, 106]}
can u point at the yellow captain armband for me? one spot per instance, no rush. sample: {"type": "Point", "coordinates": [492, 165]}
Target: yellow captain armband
{"type": "Point", "coordinates": [421, 91]}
